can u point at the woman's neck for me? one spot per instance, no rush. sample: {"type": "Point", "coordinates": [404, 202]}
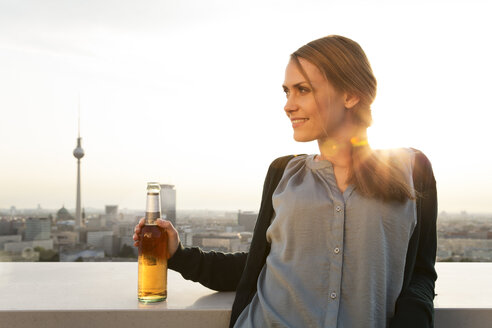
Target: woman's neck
{"type": "Point", "coordinates": [338, 150]}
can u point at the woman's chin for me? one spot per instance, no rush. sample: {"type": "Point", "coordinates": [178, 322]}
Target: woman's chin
{"type": "Point", "coordinates": [302, 138]}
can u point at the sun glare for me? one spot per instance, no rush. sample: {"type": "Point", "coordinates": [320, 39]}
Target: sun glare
{"type": "Point", "coordinates": [383, 137]}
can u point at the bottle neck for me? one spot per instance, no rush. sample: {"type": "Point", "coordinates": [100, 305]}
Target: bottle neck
{"type": "Point", "coordinates": [153, 208]}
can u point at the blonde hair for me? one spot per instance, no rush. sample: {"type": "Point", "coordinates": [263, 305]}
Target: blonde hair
{"type": "Point", "coordinates": [344, 63]}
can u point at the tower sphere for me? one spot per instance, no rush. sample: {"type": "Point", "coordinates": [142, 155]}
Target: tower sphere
{"type": "Point", "coordinates": [78, 152]}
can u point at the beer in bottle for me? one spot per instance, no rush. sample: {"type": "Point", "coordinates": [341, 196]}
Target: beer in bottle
{"type": "Point", "coordinates": [152, 251]}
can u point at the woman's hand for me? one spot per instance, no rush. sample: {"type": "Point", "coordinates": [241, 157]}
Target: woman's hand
{"type": "Point", "coordinates": [172, 235]}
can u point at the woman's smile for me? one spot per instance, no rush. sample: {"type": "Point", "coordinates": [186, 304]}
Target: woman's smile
{"type": "Point", "coordinates": [297, 122]}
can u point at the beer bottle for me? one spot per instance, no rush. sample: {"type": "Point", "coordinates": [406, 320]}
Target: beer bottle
{"type": "Point", "coordinates": [152, 251]}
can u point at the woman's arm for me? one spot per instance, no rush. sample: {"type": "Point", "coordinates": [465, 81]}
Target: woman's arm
{"type": "Point", "coordinates": [414, 306]}
{"type": "Point", "coordinates": [215, 270]}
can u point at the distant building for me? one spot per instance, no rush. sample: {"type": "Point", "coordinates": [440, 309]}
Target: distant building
{"type": "Point", "coordinates": [63, 215]}
{"type": "Point", "coordinates": [186, 235]}
{"type": "Point", "coordinates": [66, 238]}
{"type": "Point", "coordinates": [246, 237]}
{"type": "Point", "coordinates": [86, 255]}
{"type": "Point", "coordinates": [479, 254]}
{"type": "Point", "coordinates": [37, 229]}
{"type": "Point", "coordinates": [30, 255]}
{"type": "Point", "coordinates": [13, 211]}
{"type": "Point", "coordinates": [231, 216]}
{"type": "Point", "coordinates": [96, 223]}
{"type": "Point", "coordinates": [11, 227]}
{"type": "Point", "coordinates": [124, 229]}
{"type": "Point", "coordinates": [111, 245]}
{"type": "Point", "coordinates": [9, 239]}
{"type": "Point", "coordinates": [6, 227]}
{"type": "Point", "coordinates": [106, 220]}
{"type": "Point", "coordinates": [443, 254]}
{"type": "Point", "coordinates": [27, 255]}
{"type": "Point", "coordinates": [18, 247]}
{"type": "Point", "coordinates": [226, 242]}
{"type": "Point", "coordinates": [19, 226]}
{"type": "Point", "coordinates": [247, 220]}
{"type": "Point", "coordinates": [127, 241]}
{"type": "Point", "coordinates": [477, 234]}
{"type": "Point", "coordinates": [168, 202]}
{"type": "Point", "coordinates": [68, 225]}
{"type": "Point", "coordinates": [96, 238]}
{"type": "Point", "coordinates": [112, 212]}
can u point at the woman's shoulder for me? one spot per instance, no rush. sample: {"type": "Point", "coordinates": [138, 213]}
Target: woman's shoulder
{"type": "Point", "coordinates": [283, 161]}
{"type": "Point", "coordinates": [423, 169]}
{"type": "Point", "coordinates": [395, 152]}
{"type": "Point", "coordinates": [279, 165]}
{"type": "Point", "coordinates": [401, 151]}
{"type": "Point", "coordinates": [414, 159]}
{"type": "Point", "coordinates": [404, 154]}
{"type": "Point", "coordinates": [419, 160]}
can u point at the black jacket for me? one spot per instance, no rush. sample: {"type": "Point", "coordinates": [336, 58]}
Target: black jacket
{"type": "Point", "coordinates": [239, 271]}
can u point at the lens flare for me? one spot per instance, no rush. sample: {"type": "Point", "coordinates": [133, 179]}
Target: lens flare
{"type": "Point", "coordinates": [356, 142]}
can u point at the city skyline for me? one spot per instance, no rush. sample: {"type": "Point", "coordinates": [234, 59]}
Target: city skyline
{"type": "Point", "coordinates": [157, 107]}
{"type": "Point", "coordinates": [26, 212]}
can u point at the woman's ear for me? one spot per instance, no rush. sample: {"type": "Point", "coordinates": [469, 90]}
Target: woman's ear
{"type": "Point", "coordinates": [350, 100]}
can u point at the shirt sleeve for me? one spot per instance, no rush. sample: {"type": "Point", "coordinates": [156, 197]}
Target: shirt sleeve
{"type": "Point", "coordinates": [414, 306]}
{"type": "Point", "coordinates": [215, 270]}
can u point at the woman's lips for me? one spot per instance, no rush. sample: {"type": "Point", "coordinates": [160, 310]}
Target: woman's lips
{"type": "Point", "coordinates": [297, 122]}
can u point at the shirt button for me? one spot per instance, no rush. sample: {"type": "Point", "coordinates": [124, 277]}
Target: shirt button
{"type": "Point", "coordinates": [338, 208]}
{"type": "Point", "coordinates": [336, 250]}
{"type": "Point", "coordinates": [333, 295]}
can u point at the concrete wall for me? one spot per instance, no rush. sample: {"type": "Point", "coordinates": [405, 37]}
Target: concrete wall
{"type": "Point", "coordinates": [105, 295]}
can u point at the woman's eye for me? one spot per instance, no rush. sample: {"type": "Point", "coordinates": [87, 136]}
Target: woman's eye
{"type": "Point", "coordinates": [300, 89]}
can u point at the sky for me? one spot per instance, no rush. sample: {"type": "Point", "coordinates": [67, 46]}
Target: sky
{"type": "Point", "coordinates": [189, 93]}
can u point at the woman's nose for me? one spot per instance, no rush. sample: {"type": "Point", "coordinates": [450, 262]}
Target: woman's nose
{"type": "Point", "coordinates": [290, 105]}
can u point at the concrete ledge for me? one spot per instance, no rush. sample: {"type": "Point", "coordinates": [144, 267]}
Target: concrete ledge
{"type": "Point", "coordinates": [464, 295]}
{"type": "Point", "coordinates": [130, 318]}
{"type": "Point", "coordinates": [463, 318]}
{"type": "Point", "coordinates": [105, 295]}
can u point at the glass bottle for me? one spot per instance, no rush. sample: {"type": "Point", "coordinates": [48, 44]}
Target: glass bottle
{"type": "Point", "coordinates": [152, 251]}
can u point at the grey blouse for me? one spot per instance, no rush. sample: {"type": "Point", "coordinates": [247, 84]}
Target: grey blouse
{"type": "Point", "coordinates": [336, 260]}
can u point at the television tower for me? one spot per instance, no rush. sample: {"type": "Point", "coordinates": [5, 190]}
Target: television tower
{"type": "Point", "coordinates": [78, 152]}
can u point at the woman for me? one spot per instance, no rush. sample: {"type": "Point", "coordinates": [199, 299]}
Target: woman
{"type": "Point", "coordinates": [345, 238]}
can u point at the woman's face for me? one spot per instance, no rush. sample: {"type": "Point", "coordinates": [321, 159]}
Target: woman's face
{"type": "Point", "coordinates": [323, 120]}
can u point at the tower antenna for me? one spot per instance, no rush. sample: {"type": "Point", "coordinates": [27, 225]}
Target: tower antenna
{"type": "Point", "coordinates": [79, 119]}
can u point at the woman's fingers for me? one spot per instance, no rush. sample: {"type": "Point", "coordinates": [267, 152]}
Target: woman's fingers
{"type": "Point", "coordinates": [136, 231]}
{"type": "Point", "coordinates": [172, 236]}
{"type": "Point", "coordinates": [139, 226]}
